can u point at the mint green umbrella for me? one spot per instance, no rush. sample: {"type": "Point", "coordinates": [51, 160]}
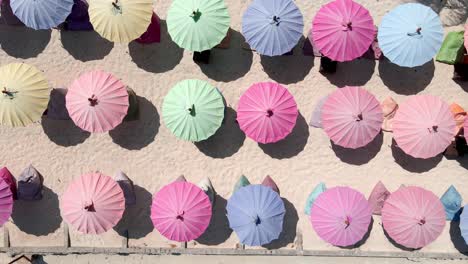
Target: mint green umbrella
{"type": "Point", "coordinates": [193, 110]}
{"type": "Point", "coordinates": [198, 25]}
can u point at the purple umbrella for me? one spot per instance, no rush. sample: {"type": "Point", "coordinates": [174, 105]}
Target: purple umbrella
{"type": "Point", "coordinates": [44, 14]}
{"type": "Point", "coordinates": [272, 27]}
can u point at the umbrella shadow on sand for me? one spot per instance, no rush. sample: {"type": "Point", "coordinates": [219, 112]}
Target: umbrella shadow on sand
{"type": "Point", "coordinates": [85, 45]}
{"type": "Point", "coordinates": [292, 145]}
{"type": "Point", "coordinates": [229, 64]}
{"type": "Point", "coordinates": [412, 164]}
{"type": "Point", "coordinates": [156, 57]}
{"type": "Point", "coordinates": [63, 132]}
{"type": "Point", "coordinates": [288, 235]}
{"type": "Point", "coordinates": [456, 237]}
{"type": "Point", "coordinates": [364, 238]}
{"type": "Point", "coordinates": [218, 231]}
{"type": "Point", "coordinates": [352, 73]}
{"type": "Point", "coordinates": [136, 222]}
{"type": "Point", "coordinates": [23, 42]}
{"type": "Point", "coordinates": [288, 69]}
{"type": "Point", "coordinates": [228, 139]}
{"type": "Point", "coordinates": [361, 155]}
{"type": "Point", "coordinates": [40, 217]}
{"type": "Point", "coordinates": [406, 81]}
{"type": "Point", "coordinates": [135, 135]}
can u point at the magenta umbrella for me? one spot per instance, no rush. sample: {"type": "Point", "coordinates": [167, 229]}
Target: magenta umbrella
{"type": "Point", "coordinates": [6, 202]}
{"type": "Point", "coordinates": [181, 211]}
{"type": "Point", "coordinates": [97, 101]}
{"type": "Point", "coordinates": [423, 126]}
{"type": "Point", "coordinates": [93, 203]}
{"type": "Point", "coordinates": [352, 117]}
{"type": "Point", "coordinates": [267, 112]}
{"type": "Point", "coordinates": [413, 217]}
{"type": "Point", "coordinates": [343, 30]}
{"type": "Point", "coordinates": [341, 216]}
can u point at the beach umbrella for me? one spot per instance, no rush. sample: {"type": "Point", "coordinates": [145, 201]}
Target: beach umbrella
{"type": "Point", "coordinates": [413, 217]}
{"type": "Point", "coordinates": [352, 117]}
{"type": "Point", "coordinates": [6, 202]}
{"type": "Point", "coordinates": [464, 224]}
{"type": "Point", "coordinates": [465, 129]}
{"type": "Point", "coordinates": [410, 35]}
{"type": "Point", "coordinates": [97, 101]}
{"type": "Point", "coordinates": [466, 36]}
{"type": "Point", "coordinates": [272, 27]}
{"type": "Point", "coordinates": [256, 214]}
{"type": "Point", "coordinates": [193, 110]}
{"type": "Point", "coordinates": [197, 25]}
{"type": "Point", "coordinates": [24, 94]}
{"type": "Point", "coordinates": [341, 216]}
{"type": "Point", "coordinates": [120, 20]}
{"type": "Point", "coordinates": [267, 112]}
{"type": "Point", "coordinates": [343, 30]}
{"type": "Point", "coordinates": [423, 126]}
{"type": "Point", "coordinates": [44, 14]}
{"type": "Point", "coordinates": [93, 203]}
{"type": "Point", "coordinates": [181, 211]}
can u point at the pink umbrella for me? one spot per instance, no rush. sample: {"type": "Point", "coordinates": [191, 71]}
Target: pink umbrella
{"type": "Point", "coordinates": [423, 126]}
{"type": "Point", "coordinates": [465, 128]}
{"type": "Point", "coordinates": [341, 216]}
{"type": "Point", "coordinates": [6, 202]}
{"type": "Point", "coordinates": [97, 101]}
{"type": "Point", "coordinates": [93, 203]}
{"type": "Point", "coordinates": [413, 217]}
{"type": "Point", "coordinates": [181, 211]}
{"type": "Point", "coordinates": [343, 30]}
{"type": "Point", "coordinates": [352, 117]}
{"type": "Point", "coordinates": [466, 36]}
{"type": "Point", "coordinates": [267, 112]}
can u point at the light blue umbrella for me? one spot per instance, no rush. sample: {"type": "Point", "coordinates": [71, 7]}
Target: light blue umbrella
{"type": "Point", "coordinates": [410, 35]}
{"type": "Point", "coordinates": [272, 27]}
{"type": "Point", "coordinates": [464, 223]}
{"type": "Point", "coordinates": [255, 213]}
{"type": "Point", "coordinates": [42, 14]}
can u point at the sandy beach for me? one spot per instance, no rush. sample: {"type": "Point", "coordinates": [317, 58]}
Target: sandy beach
{"type": "Point", "coordinates": [152, 157]}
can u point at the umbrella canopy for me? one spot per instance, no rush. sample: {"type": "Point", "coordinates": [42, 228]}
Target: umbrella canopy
{"type": "Point", "coordinates": [256, 214]}
{"type": "Point", "coordinates": [6, 202]}
{"type": "Point", "coordinates": [423, 126]}
{"type": "Point", "coordinates": [465, 129]}
{"type": "Point", "coordinates": [464, 224]}
{"type": "Point", "coordinates": [272, 27]}
{"type": "Point", "coordinates": [466, 36]}
{"type": "Point", "coordinates": [343, 30]}
{"type": "Point", "coordinates": [198, 25]}
{"type": "Point", "coordinates": [181, 211]}
{"type": "Point", "coordinates": [193, 110]}
{"type": "Point", "coordinates": [97, 101]}
{"type": "Point", "coordinates": [352, 117]}
{"type": "Point", "coordinates": [341, 216]}
{"type": "Point", "coordinates": [25, 94]}
{"type": "Point", "coordinates": [413, 217]}
{"type": "Point", "coordinates": [267, 112]}
{"type": "Point", "coordinates": [44, 14]}
{"type": "Point", "coordinates": [93, 203]}
{"type": "Point", "coordinates": [410, 35]}
{"type": "Point", "coordinates": [120, 20]}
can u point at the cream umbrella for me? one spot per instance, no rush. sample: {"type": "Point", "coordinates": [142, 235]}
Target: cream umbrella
{"type": "Point", "coordinates": [24, 94]}
{"type": "Point", "coordinates": [120, 20]}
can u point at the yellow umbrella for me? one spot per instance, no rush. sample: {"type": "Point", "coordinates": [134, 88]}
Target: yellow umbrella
{"type": "Point", "coordinates": [120, 20]}
{"type": "Point", "coordinates": [24, 94]}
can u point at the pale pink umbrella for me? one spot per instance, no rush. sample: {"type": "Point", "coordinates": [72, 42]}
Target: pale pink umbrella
{"type": "Point", "coordinates": [466, 36]}
{"type": "Point", "coordinates": [267, 112]}
{"type": "Point", "coordinates": [465, 128]}
{"type": "Point", "coordinates": [97, 101]}
{"type": "Point", "coordinates": [6, 202]}
{"type": "Point", "coordinates": [413, 217]}
{"type": "Point", "coordinates": [352, 117]}
{"type": "Point", "coordinates": [423, 126]}
{"type": "Point", "coordinates": [343, 30]}
{"type": "Point", "coordinates": [341, 216]}
{"type": "Point", "coordinates": [181, 211]}
{"type": "Point", "coordinates": [93, 203]}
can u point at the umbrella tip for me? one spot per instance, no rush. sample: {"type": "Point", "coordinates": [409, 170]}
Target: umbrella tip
{"type": "Point", "coordinates": [196, 15]}
{"type": "Point", "coordinates": [89, 206]}
{"type": "Point", "coordinates": [258, 220]}
{"type": "Point", "coordinates": [269, 113]}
